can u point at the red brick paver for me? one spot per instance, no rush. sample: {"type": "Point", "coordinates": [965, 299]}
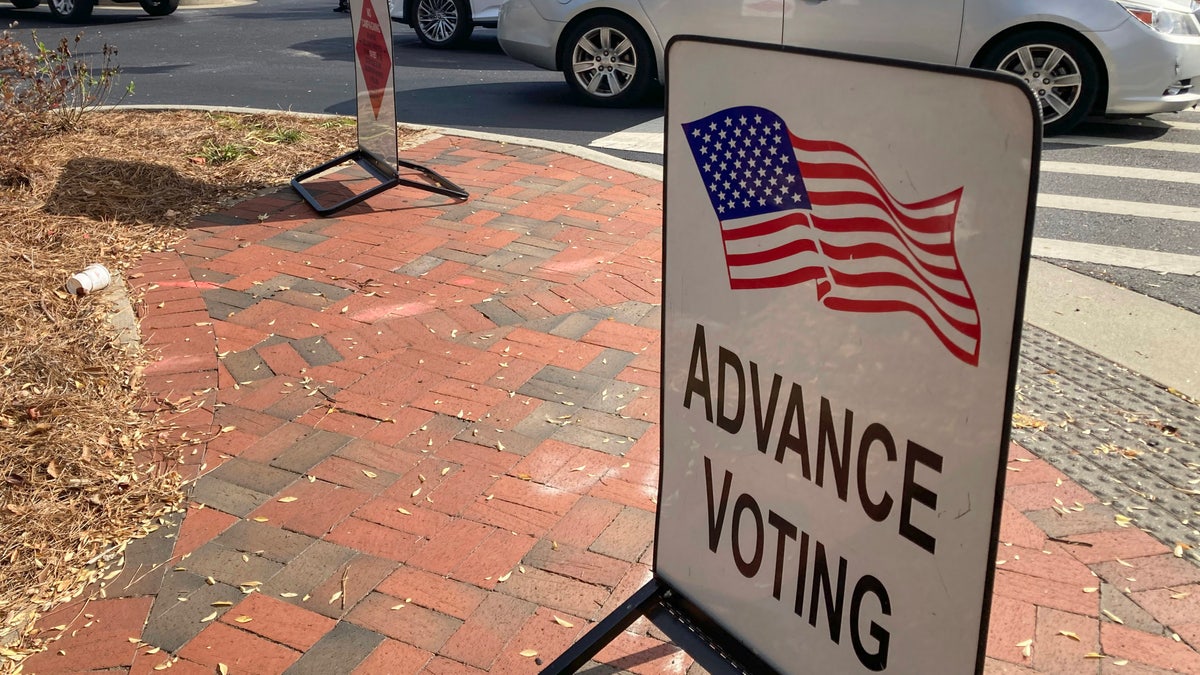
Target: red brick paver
{"type": "Point", "coordinates": [424, 515]}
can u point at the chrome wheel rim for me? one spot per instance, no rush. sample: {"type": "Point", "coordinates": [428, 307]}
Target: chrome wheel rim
{"type": "Point", "coordinates": [64, 6]}
{"type": "Point", "coordinates": [1051, 73]}
{"type": "Point", "coordinates": [604, 62]}
{"type": "Point", "coordinates": [437, 19]}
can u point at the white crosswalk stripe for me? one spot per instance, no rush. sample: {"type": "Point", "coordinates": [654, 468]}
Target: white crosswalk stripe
{"type": "Point", "coordinates": [1081, 169]}
{"type": "Point", "coordinates": [647, 137]}
{"type": "Point", "coordinates": [1131, 144]}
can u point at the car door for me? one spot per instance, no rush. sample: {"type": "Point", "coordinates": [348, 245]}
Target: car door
{"type": "Point", "coordinates": [920, 30]}
{"type": "Point", "coordinates": [755, 20]}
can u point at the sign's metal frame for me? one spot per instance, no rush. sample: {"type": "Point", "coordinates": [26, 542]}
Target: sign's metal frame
{"type": "Point", "coordinates": [688, 625]}
{"type": "Point", "coordinates": [383, 169]}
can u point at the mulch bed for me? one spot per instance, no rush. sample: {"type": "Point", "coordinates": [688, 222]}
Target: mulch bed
{"type": "Point", "coordinates": [83, 470]}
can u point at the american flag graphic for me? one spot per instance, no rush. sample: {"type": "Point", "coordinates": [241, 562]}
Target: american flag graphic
{"type": "Point", "coordinates": [794, 210]}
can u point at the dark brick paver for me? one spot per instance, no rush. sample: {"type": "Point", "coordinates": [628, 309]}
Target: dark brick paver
{"type": "Point", "coordinates": [430, 442]}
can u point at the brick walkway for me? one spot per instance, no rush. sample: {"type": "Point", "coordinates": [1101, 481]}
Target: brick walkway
{"type": "Point", "coordinates": [424, 438]}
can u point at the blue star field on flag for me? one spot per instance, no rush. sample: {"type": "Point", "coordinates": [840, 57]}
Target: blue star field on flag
{"type": "Point", "coordinates": [746, 159]}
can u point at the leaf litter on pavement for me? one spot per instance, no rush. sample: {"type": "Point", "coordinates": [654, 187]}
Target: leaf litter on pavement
{"type": "Point", "coordinates": [84, 468]}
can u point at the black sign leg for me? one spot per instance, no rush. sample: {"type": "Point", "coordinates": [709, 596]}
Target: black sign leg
{"type": "Point", "coordinates": [611, 626]}
{"type": "Point", "coordinates": [685, 624]}
{"type": "Point", "coordinates": [386, 180]}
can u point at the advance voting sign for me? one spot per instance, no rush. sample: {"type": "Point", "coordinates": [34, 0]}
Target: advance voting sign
{"type": "Point", "coordinates": [374, 80]}
{"type": "Point", "coordinates": [846, 243]}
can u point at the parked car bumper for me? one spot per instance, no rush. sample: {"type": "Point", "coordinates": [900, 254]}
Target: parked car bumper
{"type": "Point", "coordinates": [526, 35]}
{"type": "Point", "coordinates": [1144, 67]}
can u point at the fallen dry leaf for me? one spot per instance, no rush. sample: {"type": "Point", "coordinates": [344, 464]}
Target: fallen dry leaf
{"type": "Point", "coordinates": [563, 622]}
{"type": "Point", "coordinates": [528, 652]}
{"type": "Point", "coordinates": [287, 500]}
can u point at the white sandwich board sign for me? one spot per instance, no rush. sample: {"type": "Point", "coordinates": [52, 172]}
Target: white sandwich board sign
{"type": "Point", "coordinates": [846, 242]}
{"type": "Point", "coordinates": [375, 81]}
{"type": "Point", "coordinates": [377, 154]}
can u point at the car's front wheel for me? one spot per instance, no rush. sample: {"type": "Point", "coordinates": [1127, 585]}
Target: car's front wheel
{"type": "Point", "coordinates": [72, 10]}
{"type": "Point", "coordinates": [159, 7]}
{"type": "Point", "coordinates": [442, 24]}
{"type": "Point", "coordinates": [1058, 69]}
{"type": "Point", "coordinates": [608, 61]}
{"type": "Point", "coordinates": [25, 4]}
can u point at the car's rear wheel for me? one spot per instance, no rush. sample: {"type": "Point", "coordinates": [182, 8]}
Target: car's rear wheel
{"type": "Point", "coordinates": [1058, 69]}
{"type": "Point", "coordinates": [72, 10]}
{"type": "Point", "coordinates": [608, 61]}
{"type": "Point", "coordinates": [25, 4]}
{"type": "Point", "coordinates": [442, 24]}
{"type": "Point", "coordinates": [159, 7]}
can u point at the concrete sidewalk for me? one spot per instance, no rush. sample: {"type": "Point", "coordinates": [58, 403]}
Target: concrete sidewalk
{"type": "Point", "coordinates": [424, 439]}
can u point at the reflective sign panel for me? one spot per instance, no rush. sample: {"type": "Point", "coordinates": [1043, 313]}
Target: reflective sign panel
{"type": "Point", "coordinates": [845, 247]}
{"type": "Point", "coordinates": [374, 78]}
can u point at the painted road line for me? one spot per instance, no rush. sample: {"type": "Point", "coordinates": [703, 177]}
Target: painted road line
{"type": "Point", "coordinates": [648, 137]}
{"type": "Point", "coordinates": [1120, 208]}
{"type": "Point", "coordinates": [1148, 336]}
{"type": "Point", "coordinates": [1121, 172]}
{"type": "Point", "coordinates": [1134, 258]}
{"type": "Point", "coordinates": [1161, 146]}
{"type": "Point", "coordinates": [1152, 124]}
{"type": "Point", "coordinates": [645, 137]}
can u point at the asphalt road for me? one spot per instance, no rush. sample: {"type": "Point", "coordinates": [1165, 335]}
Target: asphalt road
{"type": "Point", "coordinates": [297, 55]}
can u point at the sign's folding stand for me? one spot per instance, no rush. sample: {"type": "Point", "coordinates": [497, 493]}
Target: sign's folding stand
{"type": "Point", "coordinates": [438, 183]}
{"type": "Point", "coordinates": [687, 627]}
{"type": "Point", "coordinates": [377, 152]}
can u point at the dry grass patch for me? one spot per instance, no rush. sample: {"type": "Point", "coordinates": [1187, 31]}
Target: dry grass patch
{"type": "Point", "coordinates": [82, 468]}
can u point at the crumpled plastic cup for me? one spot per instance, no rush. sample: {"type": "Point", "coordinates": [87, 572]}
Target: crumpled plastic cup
{"type": "Point", "coordinates": [93, 278]}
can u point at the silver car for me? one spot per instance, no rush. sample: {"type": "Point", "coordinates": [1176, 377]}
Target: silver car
{"type": "Point", "coordinates": [1116, 57]}
{"type": "Point", "coordinates": [443, 24]}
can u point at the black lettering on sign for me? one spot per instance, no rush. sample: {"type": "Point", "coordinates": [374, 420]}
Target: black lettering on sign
{"type": "Point", "coordinates": [833, 601]}
{"type": "Point", "coordinates": [725, 361]}
{"type": "Point", "coordinates": [880, 478]}
{"type": "Point", "coordinates": [793, 415]}
{"type": "Point", "coordinates": [873, 660]}
{"type": "Point", "coordinates": [748, 568]}
{"type": "Point", "coordinates": [827, 440]}
{"type": "Point", "coordinates": [786, 531]}
{"type": "Point", "coordinates": [716, 521]}
{"type": "Point", "coordinates": [914, 491]}
{"type": "Point", "coordinates": [877, 511]}
{"type": "Point", "coordinates": [762, 425]}
{"type": "Point", "coordinates": [831, 575]}
{"type": "Point", "coordinates": [699, 385]}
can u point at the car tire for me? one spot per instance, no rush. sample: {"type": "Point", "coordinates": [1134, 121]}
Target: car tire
{"type": "Point", "coordinates": [25, 4]}
{"type": "Point", "coordinates": [442, 24]}
{"type": "Point", "coordinates": [159, 7]}
{"type": "Point", "coordinates": [608, 61]}
{"type": "Point", "coordinates": [1067, 92]}
{"type": "Point", "coordinates": [74, 11]}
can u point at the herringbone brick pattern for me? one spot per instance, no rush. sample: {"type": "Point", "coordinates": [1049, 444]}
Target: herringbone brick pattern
{"type": "Point", "coordinates": [424, 439]}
